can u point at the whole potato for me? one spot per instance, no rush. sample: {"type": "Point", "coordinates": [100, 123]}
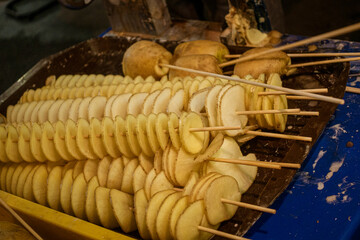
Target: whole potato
{"type": "Point", "coordinates": [214, 48]}
{"type": "Point", "coordinates": [202, 62]}
{"type": "Point", "coordinates": [143, 58]}
{"type": "Point", "coordinates": [12, 231]}
{"type": "Point", "coordinates": [275, 62]}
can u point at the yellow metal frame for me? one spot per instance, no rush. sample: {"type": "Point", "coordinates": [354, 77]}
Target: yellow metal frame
{"type": "Point", "coordinates": [51, 224]}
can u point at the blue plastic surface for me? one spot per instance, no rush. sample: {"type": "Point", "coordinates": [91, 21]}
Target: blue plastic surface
{"type": "Point", "coordinates": [322, 202]}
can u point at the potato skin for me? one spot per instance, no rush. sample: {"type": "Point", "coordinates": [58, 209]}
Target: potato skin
{"type": "Point", "coordinates": [275, 62]}
{"type": "Point", "coordinates": [202, 62]}
{"type": "Point", "coordinates": [142, 59]}
{"type": "Point", "coordinates": [214, 48]}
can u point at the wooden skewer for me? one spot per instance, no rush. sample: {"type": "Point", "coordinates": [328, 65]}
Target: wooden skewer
{"type": "Point", "coordinates": [315, 90]}
{"type": "Point", "coordinates": [7, 207]}
{"type": "Point", "coordinates": [295, 55]}
{"type": "Point", "coordinates": [317, 38]}
{"type": "Point", "coordinates": [354, 74]}
{"type": "Point", "coordinates": [293, 91]}
{"type": "Point", "coordinates": [263, 134]}
{"type": "Point", "coordinates": [250, 206]}
{"type": "Point", "coordinates": [274, 111]}
{"type": "Point", "coordinates": [246, 162]}
{"type": "Point", "coordinates": [305, 113]}
{"type": "Point", "coordinates": [300, 98]}
{"type": "Point", "coordinates": [324, 62]}
{"type": "Point", "coordinates": [339, 54]}
{"type": "Point", "coordinates": [221, 234]}
{"type": "Point", "coordinates": [352, 90]}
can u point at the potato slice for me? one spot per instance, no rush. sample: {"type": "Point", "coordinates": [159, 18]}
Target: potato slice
{"type": "Point", "coordinates": [96, 107]}
{"type": "Point", "coordinates": [53, 188]}
{"type": "Point", "coordinates": [63, 113]}
{"type": "Point", "coordinates": [232, 101]}
{"type": "Point", "coordinates": [193, 179]}
{"type": "Point", "coordinates": [120, 137]}
{"type": "Point", "coordinates": [3, 174]}
{"type": "Point", "coordinates": [96, 142]}
{"type": "Point", "coordinates": [140, 204]}
{"type": "Point", "coordinates": [52, 114]}
{"type": "Point", "coordinates": [171, 159]}
{"type": "Point", "coordinates": [103, 170]}
{"type": "Point", "coordinates": [224, 187]}
{"type": "Point", "coordinates": [14, 113]}
{"type": "Point", "coordinates": [34, 113]}
{"type": "Point", "coordinates": [129, 87]}
{"type": "Point", "coordinates": [74, 109]}
{"type": "Point", "coordinates": [268, 105]}
{"type": "Point", "coordinates": [90, 204]}
{"type": "Point", "coordinates": [47, 143]}
{"type": "Point", "coordinates": [280, 119]}
{"type": "Point", "coordinates": [147, 163]}
{"type": "Point", "coordinates": [197, 101]}
{"type": "Point", "coordinates": [137, 88]}
{"type": "Point", "coordinates": [78, 197]}
{"type": "Point", "coordinates": [24, 144]}
{"type": "Point", "coordinates": [161, 128]}
{"type": "Point", "coordinates": [90, 168]}
{"type": "Point", "coordinates": [3, 137]}
{"type": "Point", "coordinates": [192, 142]}
{"type": "Point", "coordinates": [188, 222]}
{"type": "Point", "coordinates": [162, 220]}
{"type": "Point", "coordinates": [184, 165]}
{"type": "Point", "coordinates": [162, 101]}
{"type": "Point", "coordinates": [199, 184]}
{"type": "Point", "coordinates": [11, 146]}
{"type": "Point", "coordinates": [165, 162]}
{"type": "Point", "coordinates": [156, 86]}
{"type": "Point", "coordinates": [70, 140]}
{"type": "Point", "coordinates": [122, 205]}
{"type": "Point", "coordinates": [131, 137]}
{"type": "Point", "coordinates": [204, 186]}
{"type": "Point", "coordinates": [151, 132]}
{"type": "Point", "coordinates": [260, 118]}
{"type": "Point", "coordinates": [108, 80]}
{"type": "Point", "coordinates": [147, 186]}
{"type": "Point", "coordinates": [108, 137]}
{"type": "Point", "coordinates": [142, 137]}
{"type": "Point", "coordinates": [83, 139]}
{"type": "Point", "coordinates": [28, 111]}
{"type": "Point", "coordinates": [39, 185]}
{"type": "Point", "coordinates": [173, 127]}
{"type": "Point", "coordinates": [59, 141]}
{"type": "Point", "coordinates": [160, 183]}
{"type": "Point", "coordinates": [21, 112]}
{"type": "Point", "coordinates": [119, 105]}
{"type": "Point", "coordinates": [21, 180]}
{"type": "Point", "coordinates": [176, 103]}
{"type": "Point", "coordinates": [35, 145]}
{"type": "Point", "coordinates": [103, 207]}
{"type": "Point", "coordinates": [139, 179]}
{"type": "Point", "coordinates": [28, 191]}
{"type": "Point", "coordinates": [177, 210]}
{"type": "Point", "coordinates": [149, 102]}
{"type": "Point", "coordinates": [83, 110]}
{"type": "Point", "coordinates": [115, 174]}
{"type": "Point", "coordinates": [119, 89]}
{"type": "Point", "coordinates": [127, 180]}
{"type": "Point", "coordinates": [218, 102]}
{"type": "Point", "coordinates": [214, 146]}
{"type": "Point", "coordinates": [193, 88]}
{"type": "Point", "coordinates": [15, 177]}
{"type": "Point", "coordinates": [109, 102]}
{"type": "Point", "coordinates": [42, 115]}
{"type": "Point", "coordinates": [65, 191]}
{"type": "Point", "coordinates": [152, 211]}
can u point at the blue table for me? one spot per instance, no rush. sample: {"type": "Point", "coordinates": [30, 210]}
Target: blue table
{"type": "Point", "coordinates": [322, 202]}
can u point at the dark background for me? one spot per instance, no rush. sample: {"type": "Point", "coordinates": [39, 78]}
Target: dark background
{"type": "Point", "coordinates": [24, 42]}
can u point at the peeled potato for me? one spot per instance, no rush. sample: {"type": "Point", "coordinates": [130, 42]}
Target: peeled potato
{"type": "Point", "coordinates": [143, 58]}
{"type": "Point", "coordinates": [202, 62]}
{"type": "Point", "coordinates": [214, 48]}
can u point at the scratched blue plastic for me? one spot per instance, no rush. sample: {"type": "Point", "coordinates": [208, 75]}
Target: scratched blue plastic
{"type": "Point", "coordinates": [321, 203]}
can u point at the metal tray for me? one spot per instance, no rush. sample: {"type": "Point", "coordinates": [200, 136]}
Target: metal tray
{"type": "Point", "coordinates": [104, 56]}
